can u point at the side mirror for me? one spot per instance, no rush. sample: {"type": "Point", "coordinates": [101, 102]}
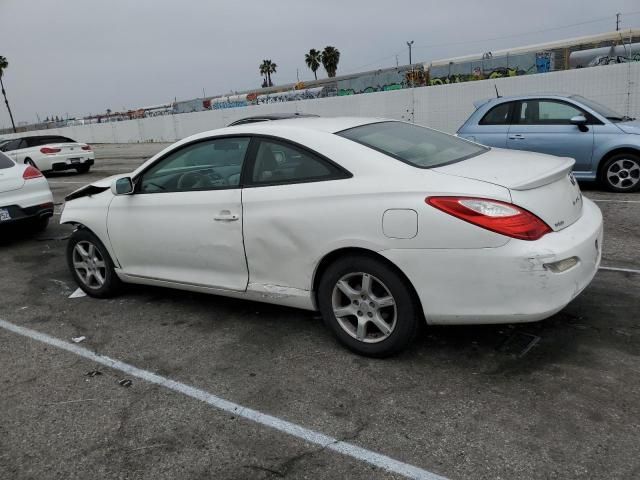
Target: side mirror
{"type": "Point", "coordinates": [580, 121]}
{"type": "Point", "coordinates": [122, 186]}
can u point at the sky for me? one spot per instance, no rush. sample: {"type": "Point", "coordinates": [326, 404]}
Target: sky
{"type": "Point", "coordinates": [79, 57]}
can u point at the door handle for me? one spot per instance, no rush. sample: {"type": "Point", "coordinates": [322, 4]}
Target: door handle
{"type": "Point", "coordinates": [226, 216]}
{"type": "Point", "coordinates": [516, 136]}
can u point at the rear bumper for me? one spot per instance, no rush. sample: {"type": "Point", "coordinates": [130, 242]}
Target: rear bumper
{"type": "Point", "coordinates": [68, 165]}
{"type": "Point", "coordinates": [507, 284]}
{"type": "Point", "coordinates": [18, 214]}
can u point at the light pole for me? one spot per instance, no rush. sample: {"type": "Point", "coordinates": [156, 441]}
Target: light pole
{"type": "Point", "coordinates": [409, 45]}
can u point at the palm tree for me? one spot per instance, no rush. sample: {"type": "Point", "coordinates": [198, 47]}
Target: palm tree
{"type": "Point", "coordinates": [263, 72]}
{"type": "Point", "coordinates": [267, 67]}
{"type": "Point", "coordinates": [313, 60]}
{"type": "Point", "coordinates": [3, 66]}
{"type": "Point", "coordinates": [330, 59]}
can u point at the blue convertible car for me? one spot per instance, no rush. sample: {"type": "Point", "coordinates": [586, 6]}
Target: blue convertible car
{"type": "Point", "coordinates": [604, 143]}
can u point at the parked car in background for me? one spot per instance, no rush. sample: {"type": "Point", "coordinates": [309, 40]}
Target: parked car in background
{"type": "Point", "coordinates": [25, 197]}
{"type": "Point", "coordinates": [269, 117]}
{"type": "Point", "coordinates": [50, 153]}
{"type": "Point", "coordinates": [378, 224]}
{"type": "Point", "coordinates": [605, 144]}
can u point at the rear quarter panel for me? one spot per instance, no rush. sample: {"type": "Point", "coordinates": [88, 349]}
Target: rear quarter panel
{"type": "Point", "coordinates": [288, 229]}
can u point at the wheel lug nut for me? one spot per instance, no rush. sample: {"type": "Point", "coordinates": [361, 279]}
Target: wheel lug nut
{"type": "Point", "coordinates": [369, 314]}
{"type": "Point", "coordinates": [359, 313]}
{"type": "Point", "coordinates": [356, 302]}
{"type": "Point", "coordinates": [371, 304]}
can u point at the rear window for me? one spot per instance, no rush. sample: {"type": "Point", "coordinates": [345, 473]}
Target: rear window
{"type": "Point", "coordinates": [417, 146]}
{"type": "Point", "coordinates": [498, 115]}
{"type": "Point", "coordinates": [5, 162]}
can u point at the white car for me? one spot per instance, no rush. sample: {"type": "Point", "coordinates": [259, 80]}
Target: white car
{"type": "Point", "coordinates": [376, 223]}
{"type": "Point", "coordinates": [25, 196]}
{"type": "Point", "coordinates": [50, 153]}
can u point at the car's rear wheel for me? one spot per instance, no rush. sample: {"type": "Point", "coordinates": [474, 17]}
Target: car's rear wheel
{"type": "Point", "coordinates": [91, 265]}
{"type": "Point", "coordinates": [83, 168]}
{"type": "Point", "coordinates": [368, 306]}
{"type": "Point", "coordinates": [621, 173]}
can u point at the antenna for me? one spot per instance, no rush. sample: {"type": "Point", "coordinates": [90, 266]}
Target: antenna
{"type": "Point", "coordinates": [497, 94]}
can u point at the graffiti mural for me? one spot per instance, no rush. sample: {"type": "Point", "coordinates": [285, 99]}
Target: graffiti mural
{"type": "Point", "coordinates": [290, 95]}
{"type": "Point", "coordinates": [382, 81]}
{"type": "Point", "coordinates": [492, 67]}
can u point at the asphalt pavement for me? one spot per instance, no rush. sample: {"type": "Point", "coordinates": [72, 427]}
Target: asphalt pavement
{"type": "Point", "coordinates": [557, 399]}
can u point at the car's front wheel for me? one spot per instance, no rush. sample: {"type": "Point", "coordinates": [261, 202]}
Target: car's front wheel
{"type": "Point", "coordinates": [621, 173]}
{"type": "Point", "coordinates": [368, 306]}
{"type": "Point", "coordinates": [91, 265]}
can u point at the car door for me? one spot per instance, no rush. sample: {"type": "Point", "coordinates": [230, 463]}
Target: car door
{"type": "Point", "coordinates": [544, 125]}
{"type": "Point", "coordinates": [492, 128]}
{"type": "Point", "coordinates": [287, 200]}
{"type": "Point", "coordinates": [183, 223]}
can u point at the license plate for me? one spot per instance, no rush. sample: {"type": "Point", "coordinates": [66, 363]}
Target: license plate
{"type": "Point", "coordinates": [4, 215]}
{"type": "Point", "coordinates": [75, 160]}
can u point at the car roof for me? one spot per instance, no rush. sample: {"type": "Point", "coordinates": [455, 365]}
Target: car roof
{"type": "Point", "coordinates": [527, 97]}
{"type": "Point", "coordinates": [324, 124]}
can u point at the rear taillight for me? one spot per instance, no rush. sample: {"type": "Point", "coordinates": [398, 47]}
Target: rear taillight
{"type": "Point", "coordinates": [500, 217]}
{"type": "Point", "coordinates": [86, 147]}
{"type": "Point", "coordinates": [49, 150]}
{"type": "Point", "coordinates": [31, 173]}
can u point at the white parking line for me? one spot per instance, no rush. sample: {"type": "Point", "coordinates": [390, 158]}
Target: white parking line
{"type": "Point", "coordinates": [618, 269]}
{"type": "Point", "coordinates": [615, 201]}
{"type": "Point", "coordinates": [310, 436]}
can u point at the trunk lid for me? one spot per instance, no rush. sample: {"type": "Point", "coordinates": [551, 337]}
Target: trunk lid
{"type": "Point", "coordinates": [542, 184]}
{"type": "Point", "coordinates": [11, 178]}
{"type": "Point", "coordinates": [67, 148]}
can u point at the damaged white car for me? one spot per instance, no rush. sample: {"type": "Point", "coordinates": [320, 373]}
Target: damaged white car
{"type": "Point", "coordinates": [378, 224]}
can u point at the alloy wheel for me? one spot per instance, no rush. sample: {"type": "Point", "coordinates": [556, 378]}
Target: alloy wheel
{"type": "Point", "coordinates": [623, 173]}
{"type": "Point", "coordinates": [89, 265]}
{"type": "Point", "coordinates": [364, 307]}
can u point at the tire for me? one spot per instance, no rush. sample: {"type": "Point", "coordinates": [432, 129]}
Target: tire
{"type": "Point", "coordinates": [98, 278]}
{"type": "Point", "coordinates": [362, 306]}
{"type": "Point", "coordinates": [621, 173]}
{"type": "Point", "coordinates": [83, 168]}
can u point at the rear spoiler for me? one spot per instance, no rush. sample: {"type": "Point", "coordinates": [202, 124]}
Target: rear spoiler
{"type": "Point", "coordinates": [480, 103]}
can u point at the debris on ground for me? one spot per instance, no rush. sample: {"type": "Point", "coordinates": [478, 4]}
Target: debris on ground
{"type": "Point", "coordinates": [125, 382]}
{"type": "Point", "coordinates": [78, 339]}
{"type": "Point", "coordinates": [78, 293]}
{"type": "Point", "coordinates": [93, 373]}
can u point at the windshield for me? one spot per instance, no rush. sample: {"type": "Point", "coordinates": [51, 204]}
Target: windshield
{"type": "Point", "coordinates": [417, 146]}
{"type": "Point", "coordinates": [606, 112]}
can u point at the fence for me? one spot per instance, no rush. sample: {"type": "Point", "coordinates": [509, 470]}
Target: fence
{"type": "Point", "coordinates": [444, 107]}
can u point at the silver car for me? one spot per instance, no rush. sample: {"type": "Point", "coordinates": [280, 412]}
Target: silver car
{"type": "Point", "coordinates": [605, 144]}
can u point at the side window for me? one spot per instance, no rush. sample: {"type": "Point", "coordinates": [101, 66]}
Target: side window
{"type": "Point", "coordinates": [547, 112]}
{"type": "Point", "coordinates": [278, 162]}
{"type": "Point", "coordinates": [15, 145]}
{"type": "Point", "coordinates": [498, 115]}
{"type": "Point", "coordinates": [35, 141]}
{"type": "Point", "coordinates": [207, 165]}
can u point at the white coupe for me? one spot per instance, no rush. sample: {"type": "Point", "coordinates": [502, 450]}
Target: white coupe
{"type": "Point", "coordinates": [378, 224]}
{"type": "Point", "coordinates": [25, 197]}
{"type": "Point", "coordinates": [50, 153]}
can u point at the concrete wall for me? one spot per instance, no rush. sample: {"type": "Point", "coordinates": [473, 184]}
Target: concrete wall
{"type": "Point", "coordinates": [443, 107]}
